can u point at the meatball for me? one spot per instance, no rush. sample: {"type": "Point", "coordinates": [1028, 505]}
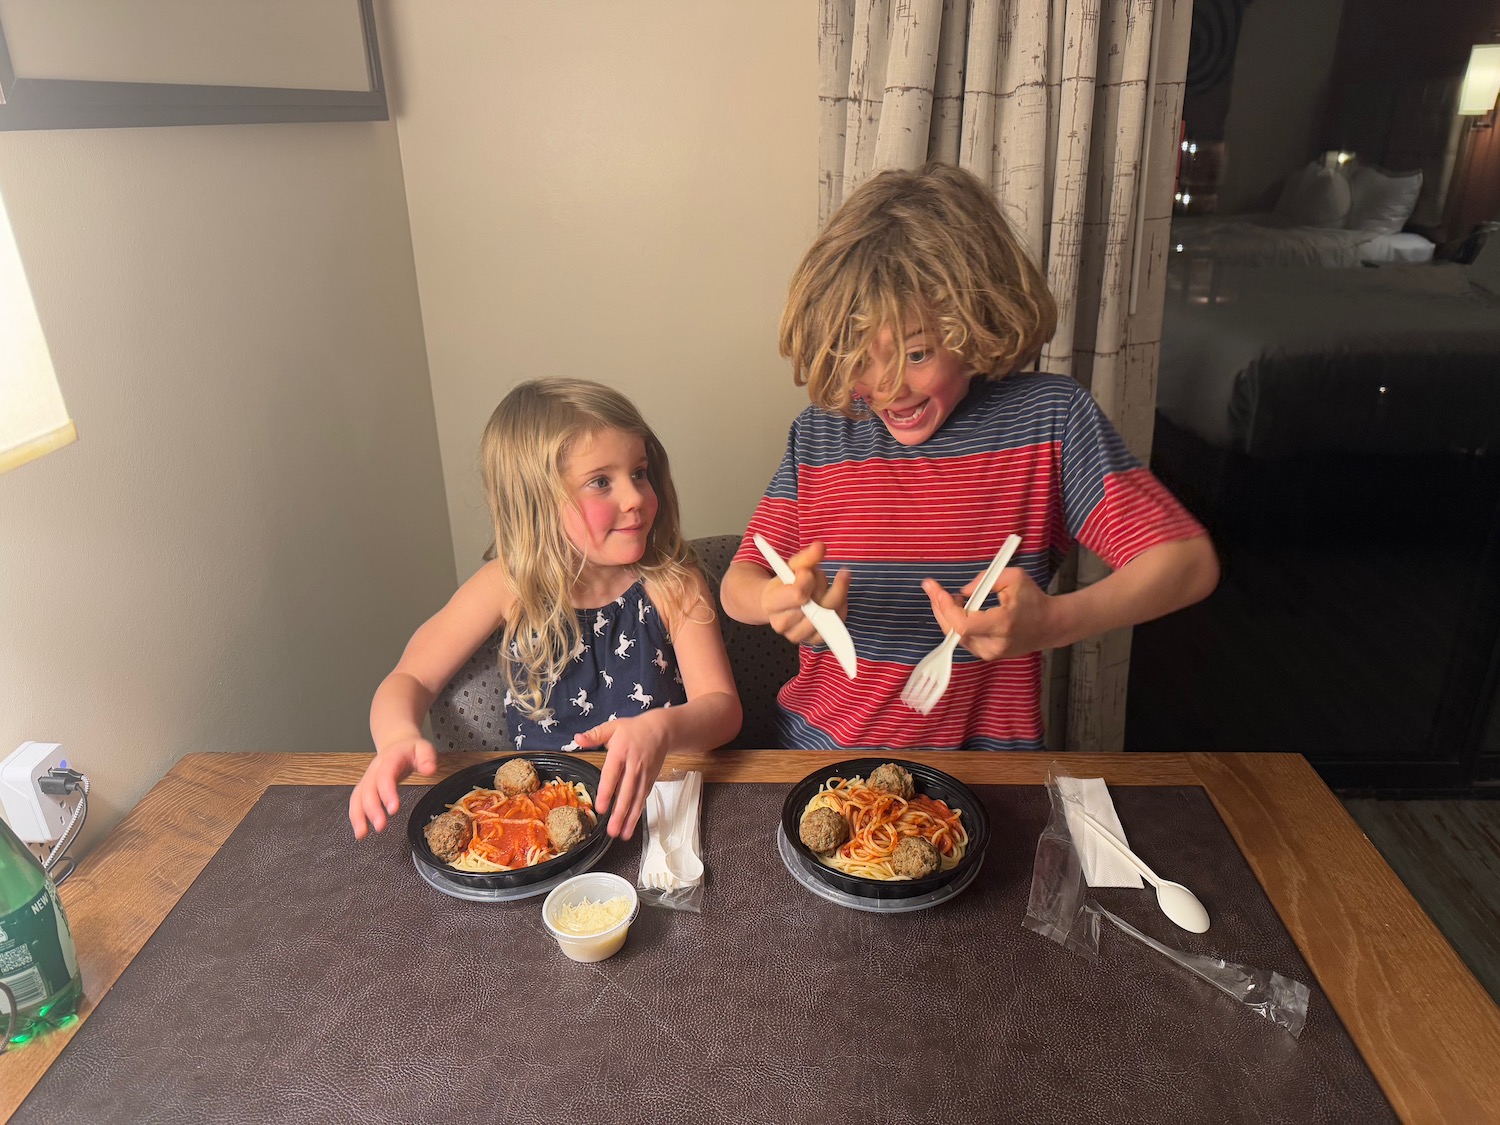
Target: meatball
{"type": "Point", "coordinates": [448, 835]}
{"type": "Point", "coordinates": [566, 827]}
{"type": "Point", "coordinates": [822, 830]}
{"type": "Point", "coordinates": [517, 776]}
{"type": "Point", "coordinates": [893, 779]}
{"type": "Point", "coordinates": [914, 857]}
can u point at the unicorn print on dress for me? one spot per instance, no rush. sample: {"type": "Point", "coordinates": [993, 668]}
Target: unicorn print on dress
{"type": "Point", "coordinates": [599, 671]}
{"type": "Point", "coordinates": [520, 738]}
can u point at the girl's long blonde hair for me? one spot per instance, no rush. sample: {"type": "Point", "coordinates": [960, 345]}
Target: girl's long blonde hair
{"type": "Point", "coordinates": [926, 249]}
{"type": "Point", "coordinates": [522, 454]}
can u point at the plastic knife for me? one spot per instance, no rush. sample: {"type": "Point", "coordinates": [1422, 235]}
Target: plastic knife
{"type": "Point", "coordinates": [830, 625]}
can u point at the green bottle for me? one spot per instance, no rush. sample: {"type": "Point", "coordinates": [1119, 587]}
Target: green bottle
{"type": "Point", "coordinates": [38, 965]}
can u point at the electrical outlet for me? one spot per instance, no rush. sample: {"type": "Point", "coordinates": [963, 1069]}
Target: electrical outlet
{"type": "Point", "coordinates": [36, 817]}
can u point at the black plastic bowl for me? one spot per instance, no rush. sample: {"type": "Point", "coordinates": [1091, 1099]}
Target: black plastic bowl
{"type": "Point", "coordinates": [932, 782]}
{"type": "Point", "coordinates": [443, 793]}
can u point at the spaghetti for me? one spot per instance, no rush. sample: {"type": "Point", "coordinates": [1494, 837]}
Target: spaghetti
{"type": "Point", "coordinates": [879, 820]}
{"type": "Point", "coordinates": [511, 832]}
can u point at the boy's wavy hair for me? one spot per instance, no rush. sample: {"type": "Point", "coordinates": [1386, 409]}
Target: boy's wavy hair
{"type": "Point", "coordinates": [523, 454]}
{"type": "Point", "coordinates": [923, 250]}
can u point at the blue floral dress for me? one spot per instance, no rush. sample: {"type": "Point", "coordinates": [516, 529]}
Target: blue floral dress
{"type": "Point", "coordinates": [624, 665]}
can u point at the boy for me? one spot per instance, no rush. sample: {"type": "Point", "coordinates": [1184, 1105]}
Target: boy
{"type": "Point", "coordinates": [909, 319]}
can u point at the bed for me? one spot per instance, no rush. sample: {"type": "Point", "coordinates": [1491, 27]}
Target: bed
{"type": "Point", "coordinates": [1337, 432]}
{"type": "Point", "coordinates": [1274, 360]}
{"type": "Point", "coordinates": [1327, 214]}
{"type": "Point", "coordinates": [1266, 240]}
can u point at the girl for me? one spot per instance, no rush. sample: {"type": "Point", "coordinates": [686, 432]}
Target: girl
{"type": "Point", "coordinates": [608, 635]}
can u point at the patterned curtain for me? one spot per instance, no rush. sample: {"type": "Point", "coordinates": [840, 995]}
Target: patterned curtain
{"type": "Point", "coordinates": [1059, 105]}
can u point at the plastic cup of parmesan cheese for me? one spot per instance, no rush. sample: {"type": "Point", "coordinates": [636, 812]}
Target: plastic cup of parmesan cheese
{"type": "Point", "coordinates": [590, 914]}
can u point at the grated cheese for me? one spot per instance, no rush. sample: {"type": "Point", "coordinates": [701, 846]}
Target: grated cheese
{"type": "Point", "coordinates": [589, 917]}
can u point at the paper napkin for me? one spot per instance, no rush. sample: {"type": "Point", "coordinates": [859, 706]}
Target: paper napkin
{"type": "Point", "coordinates": [1102, 865]}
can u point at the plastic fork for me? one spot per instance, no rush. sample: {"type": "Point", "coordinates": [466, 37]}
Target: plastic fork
{"type": "Point", "coordinates": [929, 679]}
{"type": "Point", "coordinates": [654, 869]}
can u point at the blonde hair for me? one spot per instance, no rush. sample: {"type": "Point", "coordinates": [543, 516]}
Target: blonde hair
{"type": "Point", "coordinates": [523, 453]}
{"type": "Point", "coordinates": [923, 250]}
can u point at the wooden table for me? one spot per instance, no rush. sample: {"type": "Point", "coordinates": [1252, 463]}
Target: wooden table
{"type": "Point", "coordinates": [1429, 1032]}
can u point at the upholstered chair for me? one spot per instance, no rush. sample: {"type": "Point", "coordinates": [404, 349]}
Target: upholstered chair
{"type": "Point", "coordinates": [467, 714]}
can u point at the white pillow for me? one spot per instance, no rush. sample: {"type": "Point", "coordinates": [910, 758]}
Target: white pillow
{"type": "Point", "coordinates": [1314, 196]}
{"type": "Point", "coordinates": [1383, 201]}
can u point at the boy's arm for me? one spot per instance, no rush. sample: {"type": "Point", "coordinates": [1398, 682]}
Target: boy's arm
{"type": "Point", "coordinates": [741, 590]}
{"type": "Point", "coordinates": [755, 596]}
{"type": "Point", "coordinates": [1159, 580]}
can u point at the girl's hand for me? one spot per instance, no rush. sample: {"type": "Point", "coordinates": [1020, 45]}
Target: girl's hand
{"type": "Point", "coordinates": [1022, 623]}
{"type": "Point", "coordinates": [376, 796]}
{"type": "Point", "coordinates": [636, 747]}
{"type": "Point", "coordinates": [783, 604]}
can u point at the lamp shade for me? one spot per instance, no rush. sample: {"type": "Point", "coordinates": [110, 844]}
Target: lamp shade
{"type": "Point", "coordinates": [33, 419]}
{"type": "Point", "coordinates": [1481, 80]}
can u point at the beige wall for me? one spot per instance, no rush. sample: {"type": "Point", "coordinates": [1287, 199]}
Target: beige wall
{"type": "Point", "coordinates": [251, 522]}
{"type": "Point", "coordinates": [614, 191]}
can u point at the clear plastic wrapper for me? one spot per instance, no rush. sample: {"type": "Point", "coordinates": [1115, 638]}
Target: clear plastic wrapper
{"type": "Point", "coordinates": [671, 870]}
{"type": "Point", "coordinates": [1279, 999]}
{"type": "Point", "coordinates": [1059, 910]}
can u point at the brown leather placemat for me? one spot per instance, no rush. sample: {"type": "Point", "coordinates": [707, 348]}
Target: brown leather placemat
{"type": "Point", "coordinates": [305, 977]}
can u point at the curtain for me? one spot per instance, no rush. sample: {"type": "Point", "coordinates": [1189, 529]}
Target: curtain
{"type": "Point", "coordinates": [1059, 105]}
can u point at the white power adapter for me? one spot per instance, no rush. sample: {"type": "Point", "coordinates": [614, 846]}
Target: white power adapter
{"type": "Point", "coordinates": [35, 815]}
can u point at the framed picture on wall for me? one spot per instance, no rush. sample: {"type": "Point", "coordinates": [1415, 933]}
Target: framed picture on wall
{"type": "Point", "coordinates": [82, 64]}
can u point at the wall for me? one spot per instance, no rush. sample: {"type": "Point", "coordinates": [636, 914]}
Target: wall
{"type": "Point", "coordinates": [1281, 72]}
{"type": "Point", "coordinates": [1395, 61]}
{"type": "Point", "coordinates": [614, 191]}
{"type": "Point", "coordinates": [251, 521]}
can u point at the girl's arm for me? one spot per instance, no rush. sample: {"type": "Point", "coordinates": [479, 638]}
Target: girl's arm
{"type": "Point", "coordinates": [1156, 582]}
{"type": "Point", "coordinates": [711, 716]}
{"type": "Point", "coordinates": [435, 652]}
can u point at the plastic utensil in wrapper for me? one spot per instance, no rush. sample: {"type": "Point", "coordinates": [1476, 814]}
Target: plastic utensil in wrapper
{"type": "Point", "coordinates": [1281, 1000]}
{"type": "Point", "coordinates": [1059, 910]}
{"type": "Point", "coordinates": [671, 870]}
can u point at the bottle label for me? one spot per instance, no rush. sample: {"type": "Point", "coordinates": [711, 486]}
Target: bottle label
{"type": "Point", "coordinates": [36, 951]}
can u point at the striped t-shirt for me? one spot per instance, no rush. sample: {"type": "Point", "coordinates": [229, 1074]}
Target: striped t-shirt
{"type": "Point", "coordinates": [1029, 454]}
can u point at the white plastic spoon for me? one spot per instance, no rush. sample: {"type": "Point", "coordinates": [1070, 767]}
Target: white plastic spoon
{"type": "Point", "coordinates": [1176, 901]}
{"type": "Point", "coordinates": [682, 860]}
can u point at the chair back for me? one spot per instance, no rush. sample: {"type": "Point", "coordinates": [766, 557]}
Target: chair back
{"type": "Point", "coordinates": [467, 714]}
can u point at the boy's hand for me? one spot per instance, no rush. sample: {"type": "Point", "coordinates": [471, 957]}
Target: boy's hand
{"type": "Point", "coordinates": [783, 603]}
{"type": "Point", "coordinates": [635, 749]}
{"type": "Point", "coordinates": [1020, 624]}
{"type": "Point", "coordinates": [376, 796]}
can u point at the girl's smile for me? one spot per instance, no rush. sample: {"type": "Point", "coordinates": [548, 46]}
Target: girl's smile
{"type": "Point", "coordinates": [614, 504]}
